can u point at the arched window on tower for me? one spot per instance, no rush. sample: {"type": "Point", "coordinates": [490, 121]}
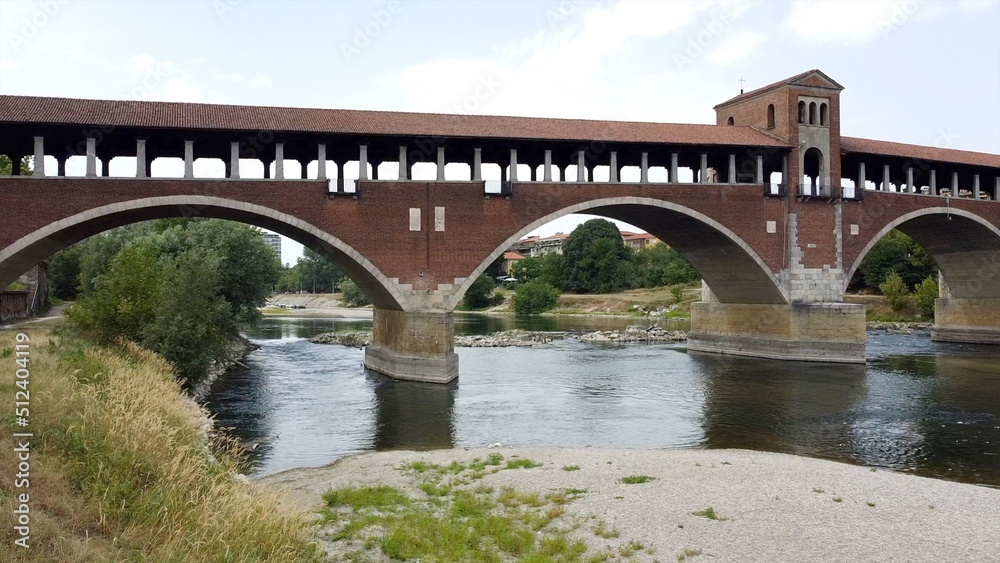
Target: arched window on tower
{"type": "Point", "coordinates": [824, 118]}
{"type": "Point", "coordinates": [812, 113]}
{"type": "Point", "coordinates": [770, 116]}
{"type": "Point", "coordinates": [802, 112]}
{"type": "Point", "coordinates": [731, 121]}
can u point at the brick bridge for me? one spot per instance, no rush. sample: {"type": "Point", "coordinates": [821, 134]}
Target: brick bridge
{"type": "Point", "coordinates": [771, 205]}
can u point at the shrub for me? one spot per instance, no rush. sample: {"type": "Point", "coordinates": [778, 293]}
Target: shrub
{"type": "Point", "coordinates": [925, 294]}
{"type": "Point", "coordinates": [354, 296]}
{"type": "Point", "coordinates": [535, 297]}
{"type": "Point", "coordinates": [895, 291]}
{"type": "Point", "coordinates": [478, 296]}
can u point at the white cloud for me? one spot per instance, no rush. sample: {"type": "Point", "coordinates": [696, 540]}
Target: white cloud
{"type": "Point", "coordinates": [854, 22]}
{"type": "Point", "coordinates": [261, 81]}
{"type": "Point", "coordinates": [181, 90]}
{"type": "Point", "coordinates": [160, 80]}
{"type": "Point", "coordinates": [735, 47]}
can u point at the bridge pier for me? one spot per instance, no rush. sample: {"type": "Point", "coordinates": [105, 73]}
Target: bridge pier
{"type": "Point", "coordinates": [814, 332]}
{"type": "Point", "coordinates": [972, 321]}
{"type": "Point", "coordinates": [413, 345]}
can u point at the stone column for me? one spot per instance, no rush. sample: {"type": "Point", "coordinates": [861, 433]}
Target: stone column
{"type": "Point", "coordinates": [581, 167]}
{"type": "Point", "coordinates": [909, 180]}
{"type": "Point", "coordinates": [39, 157]}
{"type": "Point", "coordinates": [440, 164]}
{"type": "Point", "coordinates": [814, 332]}
{"type": "Point", "coordinates": [513, 165]}
{"type": "Point", "coordinates": [784, 172]}
{"type": "Point", "coordinates": [279, 161]}
{"type": "Point", "coordinates": [975, 186]}
{"type": "Point", "coordinates": [321, 162]}
{"type": "Point", "coordinates": [934, 189]}
{"type": "Point", "coordinates": [732, 169]}
{"type": "Point", "coordinates": [996, 189]}
{"type": "Point", "coordinates": [91, 157]}
{"type": "Point", "coordinates": [613, 173]}
{"type": "Point", "coordinates": [972, 321]}
{"type": "Point", "coordinates": [644, 168]}
{"type": "Point", "coordinates": [363, 163]}
{"type": "Point", "coordinates": [404, 165]}
{"type": "Point", "coordinates": [672, 172]}
{"type": "Point", "coordinates": [477, 164]}
{"type": "Point", "coordinates": [759, 176]}
{"type": "Point", "coordinates": [189, 159]}
{"type": "Point", "coordinates": [954, 184]}
{"type": "Point", "coordinates": [703, 173]}
{"type": "Point", "coordinates": [234, 159]}
{"type": "Point", "coordinates": [140, 158]}
{"type": "Point", "coordinates": [885, 178]}
{"type": "Point", "coordinates": [415, 346]}
{"type": "Point", "coordinates": [547, 172]}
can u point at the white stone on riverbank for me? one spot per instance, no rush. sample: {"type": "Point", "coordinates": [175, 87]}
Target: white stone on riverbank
{"type": "Point", "coordinates": [635, 333]}
{"type": "Point", "coordinates": [772, 507]}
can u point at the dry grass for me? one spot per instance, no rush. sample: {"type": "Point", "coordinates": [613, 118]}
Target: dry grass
{"type": "Point", "coordinates": [122, 468]}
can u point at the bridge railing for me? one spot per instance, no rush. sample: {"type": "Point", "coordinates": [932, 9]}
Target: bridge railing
{"type": "Point", "coordinates": [775, 190]}
{"type": "Point", "coordinates": [342, 186]}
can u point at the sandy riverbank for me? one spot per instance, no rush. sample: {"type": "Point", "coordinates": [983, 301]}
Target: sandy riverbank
{"type": "Point", "coordinates": [773, 507]}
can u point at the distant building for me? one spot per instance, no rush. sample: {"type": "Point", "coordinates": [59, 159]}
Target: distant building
{"type": "Point", "coordinates": [638, 241]}
{"type": "Point", "coordinates": [509, 259]}
{"type": "Point", "coordinates": [274, 241]}
{"type": "Point", "coordinates": [549, 245]}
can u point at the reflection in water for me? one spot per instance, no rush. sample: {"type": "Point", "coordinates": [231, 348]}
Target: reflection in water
{"type": "Point", "coordinates": [795, 407]}
{"type": "Point", "coordinates": [411, 415]}
{"type": "Point", "coordinates": [918, 406]}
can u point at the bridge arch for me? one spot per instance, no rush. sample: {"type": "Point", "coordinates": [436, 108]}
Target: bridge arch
{"type": "Point", "coordinates": [735, 272]}
{"type": "Point", "coordinates": [42, 243]}
{"type": "Point", "coordinates": [965, 246]}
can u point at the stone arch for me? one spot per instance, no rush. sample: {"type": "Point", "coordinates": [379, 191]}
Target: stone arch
{"type": "Point", "coordinates": [802, 112]}
{"type": "Point", "coordinates": [965, 246]}
{"type": "Point", "coordinates": [734, 271]}
{"type": "Point", "coordinates": [824, 115]}
{"type": "Point", "coordinates": [770, 116]}
{"type": "Point", "coordinates": [39, 245]}
{"type": "Point", "coordinates": [812, 113]}
{"type": "Point", "coordinates": [731, 121]}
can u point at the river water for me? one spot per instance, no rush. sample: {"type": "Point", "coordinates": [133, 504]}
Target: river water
{"type": "Point", "coordinates": [920, 407]}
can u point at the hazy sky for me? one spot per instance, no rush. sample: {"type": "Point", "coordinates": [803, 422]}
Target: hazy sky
{"type": "Point", "coordinates": [923, 72]}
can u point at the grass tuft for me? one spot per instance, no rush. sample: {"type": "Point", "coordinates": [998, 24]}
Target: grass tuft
{"type": "Point", "coordinates": [636, 479]}
{"type": "Point", "coordinates": [708, 513]}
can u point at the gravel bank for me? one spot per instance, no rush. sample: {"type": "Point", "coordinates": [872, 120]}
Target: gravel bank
{"type": "Point", "coordinates": [772, 507]}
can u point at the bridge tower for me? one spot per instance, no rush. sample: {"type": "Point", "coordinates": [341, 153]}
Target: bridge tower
{"type": "Point", "coordinates": [813, 322]}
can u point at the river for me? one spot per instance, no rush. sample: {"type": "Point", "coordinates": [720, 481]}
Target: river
{"type": "Point", "coordinates": [918, 406]}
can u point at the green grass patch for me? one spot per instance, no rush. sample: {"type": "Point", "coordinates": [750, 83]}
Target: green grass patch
{"type": "Point", "coordinates": [356, 498]}
{"type": "Point", "coordinates": [522, 464]}
{"type": "Point", "coordinates": [636, 479]}
{"type": "Point", "coordinates": [571, 468]}
{"type": "Point", "coordinates": [708, 513]}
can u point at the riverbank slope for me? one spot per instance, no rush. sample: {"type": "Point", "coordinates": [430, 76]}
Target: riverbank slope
{"type": "Point", "coordinates": [723, 505]}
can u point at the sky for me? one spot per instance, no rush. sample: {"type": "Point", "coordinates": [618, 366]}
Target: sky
{"type": "Point", "coordinates": [914, 71]}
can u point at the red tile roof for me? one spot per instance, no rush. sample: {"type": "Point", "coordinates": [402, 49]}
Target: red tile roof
{"type": "Point", "coordinates": [787, 81]}
{"type": "Point", "coordinates": [918, 152]}
{"type": "Point", "coordinates": [513, 255]}
{"type": "Point", "coordinates": [172, 115]}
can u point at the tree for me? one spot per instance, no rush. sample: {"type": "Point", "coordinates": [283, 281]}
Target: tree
{"type": "Point", "coordinates": [535, 297]}
{"type": "Point", "coordinates": [182, 288]}
{"type": "Point", "coordinates": [658, 265]}
{"type": "Point", "coordinates": [479, 293]}
{"type": "Point", "coordinates": [64, 272]}
{"type": "Point", "coordinates": [553, 270]}
{"type": "Point", "coordinates": [896, 252]}
{"type": "Point", "coordinates": [526, 270]}
{"type": "Point", "coordinates": [317, 274]}
{"type": "Point", "coordinates": [895, 291]}
{"type": "Point", "coordinates": [7, 166]}
{"type": "Point", "coordinates": [354, 296]}
{"type": "Point", "coordinates": [592, 255]}
{"type": "Point", "coordinates": [925, 295]}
